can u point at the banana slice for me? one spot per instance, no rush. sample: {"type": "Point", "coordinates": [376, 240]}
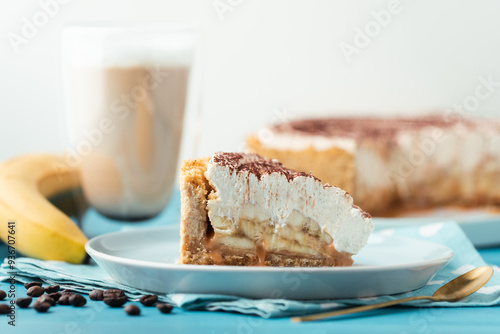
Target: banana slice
{"type": "Point", "coordinates": [41, 230]}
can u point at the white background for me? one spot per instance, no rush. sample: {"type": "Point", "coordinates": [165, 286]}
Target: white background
{"type": "Point", "coordinates": [265, 57]}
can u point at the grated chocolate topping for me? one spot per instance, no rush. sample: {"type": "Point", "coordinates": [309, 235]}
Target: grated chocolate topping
{"type": "Point", "coordinates": [256, 164]}
{"type": "Point", "coordinates": [364, 127]}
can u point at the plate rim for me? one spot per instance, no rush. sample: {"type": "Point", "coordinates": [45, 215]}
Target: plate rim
{"type": "Point", "coordinates": [467, 213]}
{"type": "Point", "coordinates": [481, 228]}
{"type": "Point", "coordinates": [446, 258]}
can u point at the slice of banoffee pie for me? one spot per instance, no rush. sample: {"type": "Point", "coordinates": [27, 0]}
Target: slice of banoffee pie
{"type": "Point", "coordinates": [242, 209]}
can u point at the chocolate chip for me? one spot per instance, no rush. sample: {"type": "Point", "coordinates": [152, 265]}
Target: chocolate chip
{"type": "Point", "coordinates": [164, 308]}
{"type": "Point", "coordinates": [115, 301]}
{"type": "Point", "coordinates": [148, 300]}
{"type": "Point", "coordinates": [96, 294]}
{"type": "Point", "coordinates": [64, 300]}
{"type": "Point", "coordinates": [30, 284]}
{"type": "Point", "coordinates": [35, 291]}
{"type": "Point", "coordinates": [46, 299]}
{"type": "Point", "coordinates": [2, 295]}
{"type": "Point", "coordinates": [4, 309]}
{"type": "Point", "coordinates": [113, 293]}
{"type": "Point", "coordinates": [52, 289]}
{"type": "Point", "coordinates": [41, 307]}
{"type": "Point", "coordinates": [23, 302]}
{"type": "Point", "coordinates": [55, 295]}
{"type": "Point", "coordinates": [131, 309]}
{"type": "Point", "coordinates": [77, 300]}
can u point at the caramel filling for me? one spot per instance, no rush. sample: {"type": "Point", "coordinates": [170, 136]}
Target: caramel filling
{"type": "Point", "coordinates": [254, 237]}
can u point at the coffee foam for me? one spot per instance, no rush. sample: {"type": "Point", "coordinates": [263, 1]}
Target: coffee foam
{"type": "Point", "coordinates": [128, 46]}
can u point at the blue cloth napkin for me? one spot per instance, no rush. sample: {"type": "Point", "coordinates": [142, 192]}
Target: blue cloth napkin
{"type": "Point", "coordinates": [84, 278]}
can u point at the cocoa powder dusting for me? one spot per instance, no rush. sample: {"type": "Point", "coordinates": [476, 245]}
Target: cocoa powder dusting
{"type": "Point", "coordinates": [364, 127]}
{"type": "Point", "coordinates": [256, 164]}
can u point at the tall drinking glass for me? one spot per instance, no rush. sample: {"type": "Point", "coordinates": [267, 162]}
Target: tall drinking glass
{"type": "Point", "coordinates": [125, 91]}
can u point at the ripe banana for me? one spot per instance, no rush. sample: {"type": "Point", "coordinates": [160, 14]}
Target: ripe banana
{"type": "Point", "coordinates": [41, 229]}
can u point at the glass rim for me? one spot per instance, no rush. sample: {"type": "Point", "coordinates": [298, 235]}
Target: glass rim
{"type": "Point", "coordinates": [130, 27]}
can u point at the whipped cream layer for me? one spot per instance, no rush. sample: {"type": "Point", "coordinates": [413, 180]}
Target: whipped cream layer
{"type": "Point", "coordinates": [247, 182]}
{"type": "Point", "coordinates": [299, 142]}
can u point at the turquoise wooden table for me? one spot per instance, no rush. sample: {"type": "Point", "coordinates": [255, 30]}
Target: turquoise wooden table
{"type": "Point", "coordinates": [96, 317]}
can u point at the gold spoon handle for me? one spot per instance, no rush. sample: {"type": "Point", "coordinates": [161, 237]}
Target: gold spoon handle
{"type": "Point", "coordinates": [332, 314]}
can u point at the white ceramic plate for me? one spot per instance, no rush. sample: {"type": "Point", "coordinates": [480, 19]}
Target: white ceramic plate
{"type": "Point", "coordinates": [482, 226]}
{"type": "Point", "coordinates": [145, 259]}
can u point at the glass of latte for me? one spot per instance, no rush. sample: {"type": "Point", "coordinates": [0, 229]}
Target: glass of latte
{"type": "Point", "coordinates": [125, 93]}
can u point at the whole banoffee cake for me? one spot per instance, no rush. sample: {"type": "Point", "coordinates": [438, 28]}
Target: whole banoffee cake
{"type": "Point", "coordinates": [242, 209]}
{"type": "Point", "coordinates": [390, 164]}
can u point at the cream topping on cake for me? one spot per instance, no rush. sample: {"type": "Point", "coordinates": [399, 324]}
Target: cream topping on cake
{"type": "Point", "coordinates": [298, 142]}
{"type": "Point", "coordinates": [346, 133]}
{"type": "Point", "coordinates": [364, 127]}
{"type": "Point", "coordinates": [248, 187]}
